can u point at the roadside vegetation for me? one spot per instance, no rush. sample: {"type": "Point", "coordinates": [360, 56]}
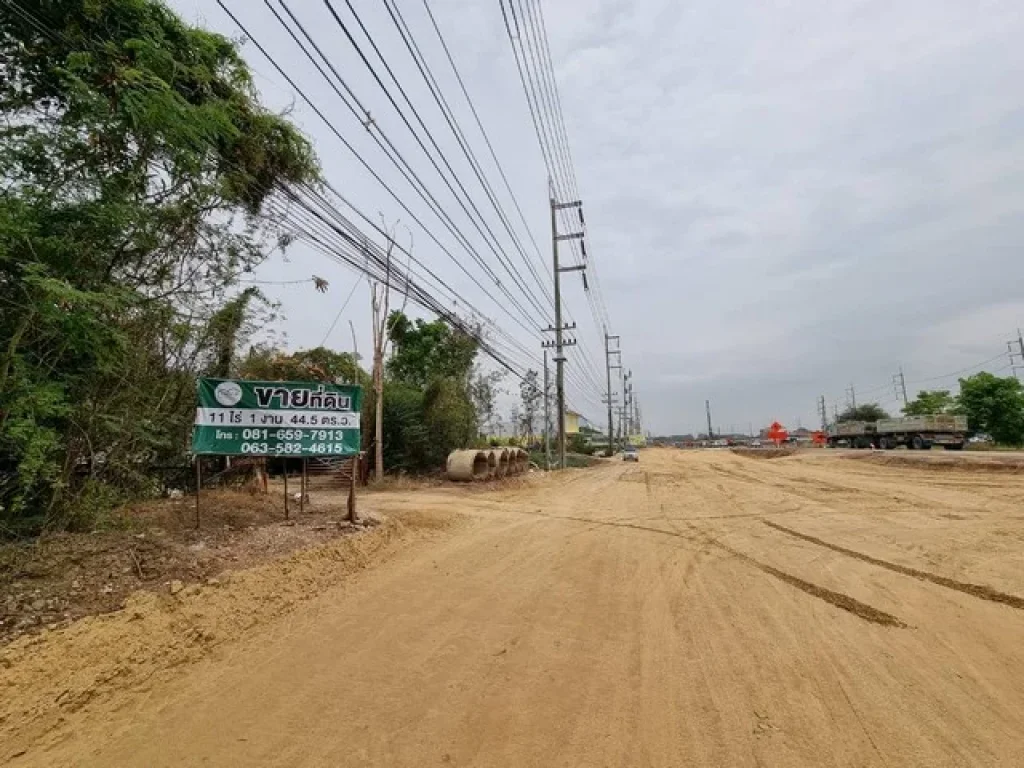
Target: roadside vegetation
{"type": "Point", "coordinates": [139, 171]}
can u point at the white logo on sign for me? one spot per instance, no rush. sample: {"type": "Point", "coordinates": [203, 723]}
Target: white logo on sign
{"type": "Point", "coordinates": [228, 393]}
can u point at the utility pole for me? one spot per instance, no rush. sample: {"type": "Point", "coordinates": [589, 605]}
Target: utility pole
{"type": "Point", "coordinates": [853, 397]}
{"type": "Point", "coordinates": [823, 413]}
{"type": "Point", "coordinates": [547, 415]}
{"type": "Point", "coordinates": [1018, 354]}
{"type": "Point", "coordinates": [608, 352]}
{"type": "Point", "coordinates": [627, 392]}
{"type": "Point", "coordinates": [707, 407]}
{"type": "Point", "coordinates": [558, 329]}
{"type": "Point", "coordinates": [630, 426]}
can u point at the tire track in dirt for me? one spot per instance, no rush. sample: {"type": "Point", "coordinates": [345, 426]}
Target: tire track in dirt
{"type": "Point", "coordinates": [979, 591]}
{"type": "Point", "coordinates": [837, 599]}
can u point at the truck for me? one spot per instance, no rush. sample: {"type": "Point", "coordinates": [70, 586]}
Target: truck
{"type": "Point", "coordinates": [915, 432]}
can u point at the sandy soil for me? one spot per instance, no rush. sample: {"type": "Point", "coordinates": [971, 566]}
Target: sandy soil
{"type": "Point", "coordinates": [697, 609]}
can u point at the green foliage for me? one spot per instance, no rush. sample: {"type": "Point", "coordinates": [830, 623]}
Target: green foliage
{"type": "Point", "coordinates": [995, 405]}
{"type": "Point", "coordinates": [578, 444]}
{"type": "Point", "coordinates": [449, 416]}
{"type": "Point", "coordinates": [864, 412]}
{"type": "Point", "coordinates": [425, 352]}
{"type": "Point", "coordinates": [431, 399]}
{"type": "Point", "coordinates": [407, 439]}
{"type": "Point", "coordinates": [318, 364]}
{"type": "Point", "coordinates": [929, 402]}
{"type": "Point", "coordinates": [134, 158]}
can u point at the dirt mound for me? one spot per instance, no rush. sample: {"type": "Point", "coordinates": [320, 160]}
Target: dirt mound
{"type": "Point", "coordinates": [48, 675]}
{"type": "Point", "coordinates": [764, 453]}
{"type": "Point", "coordinates": [944, 462]}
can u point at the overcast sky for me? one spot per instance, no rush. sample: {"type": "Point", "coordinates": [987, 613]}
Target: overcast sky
{"type": "Point", "coordinates": [783, 198]}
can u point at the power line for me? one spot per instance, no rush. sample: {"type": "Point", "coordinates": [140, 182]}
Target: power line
{"type": "Point", "coordinates": [341, 311]}
{"type": "Point", "coordinates": [492, 243]}
{"type": "Point", "coordinates": [309, 102]}
{"type": "Point", "coordinates": [424, 68]}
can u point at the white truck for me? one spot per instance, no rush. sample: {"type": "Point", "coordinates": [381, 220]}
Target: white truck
{"type": "Point", "coordinates": [915, 432]}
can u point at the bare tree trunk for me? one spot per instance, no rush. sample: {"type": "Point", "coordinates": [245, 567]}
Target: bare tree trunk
{"type": "Point", "coordinates": [378, 389]}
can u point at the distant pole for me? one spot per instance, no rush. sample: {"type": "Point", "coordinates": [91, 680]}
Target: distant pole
{"type": "Point", "coordinates": [707, 408]}
{"type": "Point", "coordinates": [608, 352]}
{"type": "Point", "coordinates": [824, 413]}
{"type": "Point", "coordinates": [903, 386]}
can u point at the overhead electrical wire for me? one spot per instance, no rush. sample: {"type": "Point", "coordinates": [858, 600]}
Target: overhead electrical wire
{"type": "Point", "coordinates": [485, 232]}
{"type": "Point", "coordinates": [532, 58]}
{"type": "Point", "coordinates": [522, 317]}
{"type": "Point", "coordinates": [423, 298]}
{"type": "Point", "coordinates": [348, 253]}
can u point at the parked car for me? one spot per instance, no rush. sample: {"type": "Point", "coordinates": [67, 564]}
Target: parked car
{"type": "Point", "coordinates": [630, 454]}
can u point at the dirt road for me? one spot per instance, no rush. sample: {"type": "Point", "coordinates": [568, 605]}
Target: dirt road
{"type": "Point", "coordinates": [697, 609]}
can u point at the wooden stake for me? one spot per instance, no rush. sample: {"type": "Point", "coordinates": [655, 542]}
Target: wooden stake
{"type": "Point", "coordinates": [353, 515]}
{"type": "Point", "coordinates": [286, 489]}
{"type": "Point", "coordinates": [302, 495]}
{"type": "Point", "coordinates": [199, 485]}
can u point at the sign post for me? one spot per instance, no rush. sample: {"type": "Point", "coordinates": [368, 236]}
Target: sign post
{"type": "Point", "coordinates": [283, 419]}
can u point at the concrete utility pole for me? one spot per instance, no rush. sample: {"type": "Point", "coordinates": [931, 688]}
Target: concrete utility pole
{"type": "Point", "coordinates": [824, 413]}
{"type": "Point", "coordinates": [559, 329]}
{"type": "Point", "coordinates": [608, 352]}
{"type": "Point", "coordinates": [630, 427]}
{"type": "Point", "coordinates": [627, 393]}
{"type": "Point", "coordinates": [547, 415]}
{"type": "Point", "coordinates": [707, 407]}
{"type": "Point", "coordinates": [853, 397]}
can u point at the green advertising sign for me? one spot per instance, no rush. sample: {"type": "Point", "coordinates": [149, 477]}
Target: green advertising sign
{"type": "Point", "coordinates": [276, 418]}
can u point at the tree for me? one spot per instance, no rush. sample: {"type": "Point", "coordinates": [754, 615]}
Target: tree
{"type": "Point", "coordinates": [530, 395]}
{"type": "Point", "coordinates": [483, 390]}
{"type": "Point", "coordinates": [430, 369]}
{"type": "Point", "coordinates": [515, 422]}
{"type": "Point", "coordinates": [380, 301]}
{"type": "Point", "coordinates": [995, 405]}
{"type": "Point", "coordinates": [136, 163]}
{"type": "Point", "coordinates": [317, 364]}
{"type": "Point", "coordinates": [424, 352]}
{"type": "Point", "coordinates": [864, 412]}
{"type": "Point", "coordinates": [929, 402]}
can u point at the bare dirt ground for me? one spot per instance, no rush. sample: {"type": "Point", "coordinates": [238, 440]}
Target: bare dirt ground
{"type": "Point", "coordinates": [51, 581]}
{"type": "Point", "coordinates": [697, 609]}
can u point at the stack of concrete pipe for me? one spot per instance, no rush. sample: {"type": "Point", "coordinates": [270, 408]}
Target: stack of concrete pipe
{"type": "Point", "coordinates": [467, 466]}
{"type": "Point", "coordinates": [489, 464]}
